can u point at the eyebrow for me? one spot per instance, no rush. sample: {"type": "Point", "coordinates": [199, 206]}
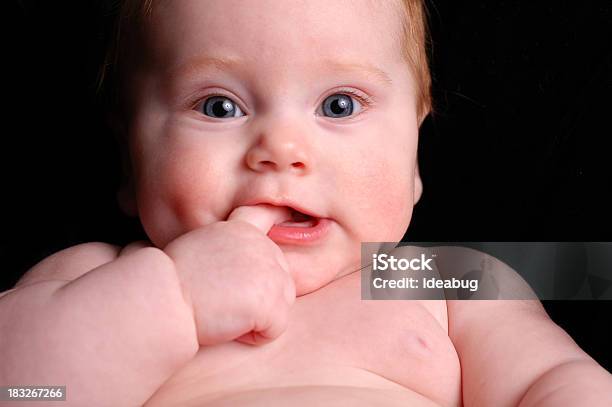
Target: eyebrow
{"type": "Point", "coordinates": [369, 70]}
{"type": "Point", "coordinates": [229, 63]}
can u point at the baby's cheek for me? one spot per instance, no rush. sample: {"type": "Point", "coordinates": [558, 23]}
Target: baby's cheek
{"type": "Point", "coordinates": [384, 191]}
{"type": "Point", "coordinates": [179, 193]}
{"type": "Point", "coordinates": [392, 204]}
{"type": "Point", "coordinates": [191, 188]}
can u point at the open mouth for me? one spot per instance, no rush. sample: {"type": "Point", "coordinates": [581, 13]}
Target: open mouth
{"type": "Point", "coordinates": [299, 220]}
{"type": "Point", "coordinates": [300, 229]}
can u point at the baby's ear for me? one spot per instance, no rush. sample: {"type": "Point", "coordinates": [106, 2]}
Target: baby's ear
{"type": "Point", "coordinates": [418, 184]}
{"type": "Point", "coordinates": [126, 194]}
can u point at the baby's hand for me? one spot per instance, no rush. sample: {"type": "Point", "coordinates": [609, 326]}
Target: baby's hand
{"type": "Point", "coordinates": [235, 277]}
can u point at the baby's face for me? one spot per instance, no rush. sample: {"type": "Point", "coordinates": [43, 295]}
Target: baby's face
{"type": "Point", "coordinates": [287, 75]}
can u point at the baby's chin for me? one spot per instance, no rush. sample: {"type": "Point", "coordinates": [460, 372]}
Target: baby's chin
{"type": "Point", "coordinates": [312, 272]}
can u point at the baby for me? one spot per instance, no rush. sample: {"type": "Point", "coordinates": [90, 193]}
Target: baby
{"type": "Point", "coordinates": [265, 140]}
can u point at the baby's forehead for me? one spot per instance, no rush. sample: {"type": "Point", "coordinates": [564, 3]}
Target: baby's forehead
{"type": "Point", "coordinates": [273, 35]}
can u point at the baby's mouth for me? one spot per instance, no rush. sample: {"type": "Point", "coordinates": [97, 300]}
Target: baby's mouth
{"type": "Point", "coordinates": [298, 228]}
{"type": "Point", "coordinates": [299, 220]}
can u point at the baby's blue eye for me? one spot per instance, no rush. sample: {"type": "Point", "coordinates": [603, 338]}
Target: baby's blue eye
{"type": "Point", "coordinates": [339, 105]}
{"type": "Point", "coordinates": [221, 107]}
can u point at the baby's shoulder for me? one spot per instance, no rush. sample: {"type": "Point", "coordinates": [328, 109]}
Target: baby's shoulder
{"type": "Point", "coordinates": [71, 263]}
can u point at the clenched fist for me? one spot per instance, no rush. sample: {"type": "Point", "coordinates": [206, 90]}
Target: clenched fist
{"type": "Point", "coordinates": [235, 277]}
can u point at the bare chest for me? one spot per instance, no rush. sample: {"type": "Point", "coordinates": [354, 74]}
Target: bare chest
{"type": "Point", "coordinates": [336, 339]}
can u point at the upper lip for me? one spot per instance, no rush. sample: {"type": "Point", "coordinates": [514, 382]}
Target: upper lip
{"type": "Point", "coordinates": [280, 202]}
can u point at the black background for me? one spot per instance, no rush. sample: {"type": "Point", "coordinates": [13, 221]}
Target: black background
{"type": "Point", "coordinates": [516, 150]}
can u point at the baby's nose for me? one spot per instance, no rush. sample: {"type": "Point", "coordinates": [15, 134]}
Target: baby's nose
{"type": "Point", "coordinates": [283, 156]}
{"type": "Point", "coordinates": [283, 145]}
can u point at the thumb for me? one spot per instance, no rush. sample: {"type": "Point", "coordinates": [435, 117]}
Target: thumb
{"type": "Point", "coordinates": [262, 216]}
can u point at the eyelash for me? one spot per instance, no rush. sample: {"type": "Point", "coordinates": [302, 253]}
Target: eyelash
{"type": "Point", "coordinates": [364, 99]}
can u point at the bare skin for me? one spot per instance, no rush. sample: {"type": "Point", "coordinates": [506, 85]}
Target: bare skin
{"type": "Point", "coordinates": [224, 361]}
{"type": "Point", "coordinates": [214, 311]}
{"type": "Point", "coordinates": [318, 349]}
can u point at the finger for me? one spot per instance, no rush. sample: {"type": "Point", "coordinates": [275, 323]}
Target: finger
{"type": "Point", "coordinates": [282, 261]}
{"type": "Point", "coordinates": [254, 338]}
{"type": "Point", "coordinates": [276, 325]}
{"type": "Point", "coordinates": [262, 336]}
{"type": "Point", "coordinates": [261, 216]}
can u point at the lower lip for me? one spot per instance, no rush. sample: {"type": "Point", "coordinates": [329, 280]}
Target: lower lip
{"type": "Point", "coordinates": [299, 235]}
